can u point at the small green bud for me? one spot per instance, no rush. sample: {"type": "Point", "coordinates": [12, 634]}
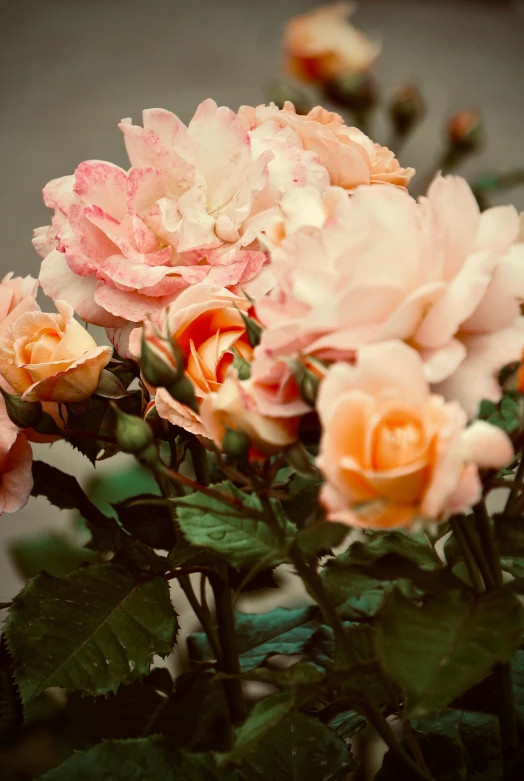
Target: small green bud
{"type": "Point", "coordinates": [236, 444]}
{"type": "Point", "coordinates": [242, 366]}
{"type": "Point", "coordinates": [161, 360]}
{"type": "Point", "coordinates": [279, 93]}
{"type": "Point", "coordinates": [183, 391]}
{"type": "Point", "coordinates": [24, 414]}
{"type": "Point", "coordinates": [133, 434]}
{"type": "Point", "coordinates": [298, 457]}
{"type": "Point", "coordinates": [308, 382]}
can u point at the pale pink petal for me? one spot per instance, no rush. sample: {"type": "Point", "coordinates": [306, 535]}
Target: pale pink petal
{"type": "Point", "coordinates": [487, 446]}
{"type": "Point", "coordinates": [103, 184]}
{"type": "Point", "coordinates": [16, 480]}
{"type": "Point", "coordinates": [178, 414]}
{"type": "Point", "coordinates": [59, 282]}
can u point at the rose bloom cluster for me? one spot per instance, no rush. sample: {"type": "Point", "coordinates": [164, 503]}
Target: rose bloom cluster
{"type": "Point", "coordinates": [271, 255]}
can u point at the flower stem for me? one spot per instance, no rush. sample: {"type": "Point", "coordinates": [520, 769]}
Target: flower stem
{"type": "Point", "coordinates": [228, 660]}
{"type": "Point", "coordinates": [315, 588]}
{"type": "Point", "coordinates": [456, 524]}
{"type": "Point", "coordinates": [203, 617]}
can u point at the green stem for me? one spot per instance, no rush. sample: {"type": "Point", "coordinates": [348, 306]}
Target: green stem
{"type": "Point", "coordinates": [199, 458]}
{"type": "Point", "coordinates": [315, 588]}
{"type": "Point", "coordinates": [203, 617]}
{"type": "Point", "coordinates": [478, 553]}
{"type": "Point", "coordinates": [488, 542]}
{"type": "Point", "coordinates": [513, 497]}
{"type": "Point", "coordinates": [507, 715]}
{"type": "Point", "coordinates": [228, 661]}
{"type": "Point", "coordinates": [458, 530]}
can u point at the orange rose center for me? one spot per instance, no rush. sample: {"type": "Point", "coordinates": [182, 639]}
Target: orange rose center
{"type": "Point", "coordinates": [398, 440]}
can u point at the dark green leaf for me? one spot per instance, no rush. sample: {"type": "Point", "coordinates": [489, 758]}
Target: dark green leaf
{"type": "Point", "coordinates": [355, 593]}
{"type": "Point", "coordinates": [150, 523]}
{"type": "Point", "coordinates": [301, 675]}
{"type": "Point", "coordinates": [510, 534]}
{"type": "Point", "coordinates": [242, 541]}
{"type": "Point", "coordinates": [347, 723]}
{"type": "Point", "coordinates": [302, 499]}
{"type": "Point", "coordinates": [302, 748]}
{"type": "Point", "coordinates": [505, 414]}
{"type": "Point", "coordinates": [319, 538]}
{"type": "Point", "coordinates": [90, 631]}
{"type": "Point", "coordinates": [191, 718]}
{"type": "Point", "coordinates": [52, 552]}
{"type": "Point", "coordinates": [94, 417]}
{"type": "Point", "coordinates": [143, 759]}
{"type": "Point", "coordinates": [261, 635]}
{"type": "Point", "coordinates": [456, 745]}
{"type": "Point", "coordinates": [438, 650]}
{"type": "Point", "coordinates": [11, 715]}
{"type": "Point", "coordinates": [265, 716]}
{"type": "Point", "coordinates": [64, 492]}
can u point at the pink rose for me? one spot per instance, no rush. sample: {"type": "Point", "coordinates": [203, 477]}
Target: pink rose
{"type": "Point", "coordinates": [16, 479]}
{"type": "Point", "coordinates": [17, 295]}
{"type": "Point", "coordinates": [321, 44]}
{"type": "Point", "coordinates": [123, 245]}
{"type": "Point", "coordinates": [51, 357]}
{"type": "Point", "coordinates": [392, 453]}
{"type": "Point", "coordinates": [350, 158]}
{"type": "Point", "coordinates": [438, 274]}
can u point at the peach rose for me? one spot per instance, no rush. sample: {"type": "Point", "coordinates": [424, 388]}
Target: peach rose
{"type": "Point", "coordinates": [392, 453]}
{"type": "Point", "coordinates": [17, 295]}
{"type": "Point", "coordinates": [235, 407]}
{"type": "Point", "coordinates": [16, 480]}
{"type": "Point", "coordinates": [321, 45]}
{"type": "Point", "coordinates": [206, 323]}
{"type": "Point", "coordinates": [349, 156]}
{"type": "Point", "coordinates": [51, 357]}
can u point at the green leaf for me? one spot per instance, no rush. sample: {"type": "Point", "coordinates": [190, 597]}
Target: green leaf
{"type": "Point", "coordinates": [355, 594]}
{"type": "Point", "coordinates": [92, 417]}
{"type": "Point", "coordinates": [319, 538]}
{"type": "Point", "coordinates": [265, 716]}
{"type": "Point", "coordinates": [347, 723]}
{"type": "Point", "coordinates": [11, 715]}
{"type": "Point", "coordinates": [414, 547]}
{"type": "Point", "coordinates": [64, 492]}
{"type": "Point", "coordinates": [242, 541]}
{"type": "Point", "coordinates": [51, 552]}
{"type": "Point", "coordinates": [505, 414]}
{"type": "Point", "coordinates": [456, 745]}
{"type": "Point", "coordinates": [147, 521]}
{"type": "Point", "coordinates": [302, 748]}
{"type": "Point", "coordinates": [261, 635]}
{"type": "Point", "coordinates": [90, 631]}
{"type": "Point", "coordinates": [143, 759]}
{"type": "Point", "coordinates": [438, 650]}
{"type": "Point", "coordinates": [190, 717]}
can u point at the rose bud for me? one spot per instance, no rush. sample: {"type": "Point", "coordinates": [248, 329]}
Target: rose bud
{"type": "Point", "coordinates": [51, 357]}
{"type": "Point", "coordinates": [135, 436]}
{"type": "Point", "coordinates": [236, 444]}
{"type": "Point", "coordinates": [407, 107]}
{"type": "Point", "coordinates": [161, 360]}
{"type": "Point", "coordinates": [466, 132]}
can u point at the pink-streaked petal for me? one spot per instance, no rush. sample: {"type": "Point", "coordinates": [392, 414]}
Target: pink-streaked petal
{"type": "Point", "coordinates": [59, 282]}
{"type": "Point", "coordinates": [104, 185]}
{"type": "Point", "coordinates": [145, 186]}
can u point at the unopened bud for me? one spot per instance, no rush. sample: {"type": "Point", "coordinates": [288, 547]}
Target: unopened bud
{"type": "Point", "coordinates": [183, 391]}
{"type": "Point", "coordinates": [466, 131]}
{"type": "Point", "coordinates": [242, 366]}
{"type": "Point", "coordinates": [24, 414]}
{"type": "Point", "coordinates": [161, 360]}
{"type": "Point", "coordinates": [308, 383]}
{"type": "Point", "coordinates": [133, 434]}
{"type": "Point", "coordinates": [236, 444]}
{"type": "Point", "coordinates": [407, 107]}
{"type": "Point", "coordinates": [298, 457]}
{"type": "Point", "coordinates": [356, 91]}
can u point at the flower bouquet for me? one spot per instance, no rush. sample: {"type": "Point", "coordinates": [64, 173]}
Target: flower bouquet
{"type": "Point", "coordinates": [319, 376]}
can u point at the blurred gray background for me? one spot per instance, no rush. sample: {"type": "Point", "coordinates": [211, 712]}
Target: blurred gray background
{"type": "Point", "coordinates": [71, 69]}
